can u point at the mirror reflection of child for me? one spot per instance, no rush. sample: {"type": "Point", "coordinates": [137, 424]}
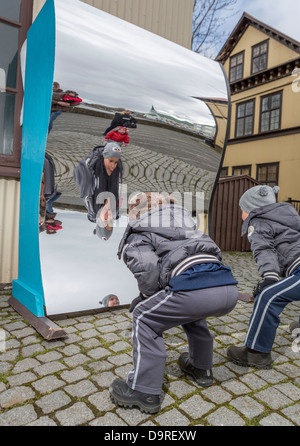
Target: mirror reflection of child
{"type": "Point", "coordinates": [111, 300]}
{"type": "Point", "coordinates": [120, 136]}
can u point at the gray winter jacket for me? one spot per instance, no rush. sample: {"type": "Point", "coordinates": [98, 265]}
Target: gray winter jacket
{"type": "Point", "coordinates": [163, 243]}
{"type": "Point", "coordinates": [274, 235]}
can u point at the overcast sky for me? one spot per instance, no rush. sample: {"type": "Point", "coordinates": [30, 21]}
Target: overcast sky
{"type": "Point", "coordinates": [281, 15]}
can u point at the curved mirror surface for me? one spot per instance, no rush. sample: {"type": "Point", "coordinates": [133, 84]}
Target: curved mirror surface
{"type": "Point", "coordinates": [165, 107]}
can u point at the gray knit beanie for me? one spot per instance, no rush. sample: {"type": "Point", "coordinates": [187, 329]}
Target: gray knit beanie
{"type": "Point", "coordinates": [258, 196]}
{"type": "Point", "coordinates": [112, 150]}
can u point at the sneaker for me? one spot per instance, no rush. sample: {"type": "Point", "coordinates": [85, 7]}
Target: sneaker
{"type": "Point", "coordinates": [246, 357]}
{"type": "Point", "coordinates": [202, 377]}
{"type": "Point", "coordinates": [124, 396]}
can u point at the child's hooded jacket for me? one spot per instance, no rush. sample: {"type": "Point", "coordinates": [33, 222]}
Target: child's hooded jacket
{"type": "Point", "coordinates": [274, 235]}
{"type": "Point", "coordinates": [162, 243]}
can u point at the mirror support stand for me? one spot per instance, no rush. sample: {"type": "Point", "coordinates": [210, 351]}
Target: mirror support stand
{"type": "Point", "coordinates": [44, 326]}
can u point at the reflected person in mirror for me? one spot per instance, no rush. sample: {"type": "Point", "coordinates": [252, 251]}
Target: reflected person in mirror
{"type": "Point", "coordinates": [98, 176]}
{"type": "Point", "coordinates": [124, 118]}
{"type": "Point", "coordinates": [111, 300]}
{"type": "Point", "coordinates": [61, 102]}
{"type": "Point", "coordinates": [120, 136]}
{"type": "Point", "coordinates": [182, 281]}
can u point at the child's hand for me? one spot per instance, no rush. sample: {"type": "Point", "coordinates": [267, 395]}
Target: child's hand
{"type": "Point", "coordinates": [107, 216]}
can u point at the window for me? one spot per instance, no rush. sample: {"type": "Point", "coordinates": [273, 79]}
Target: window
{"type": "Point", "coordinates": [241, 170]}
{"type": "Point", "coordinates": [270, 118]}
{"type": "Point", "coordinates": [224, 172]}
{"type": "Point", "coordinates": [268, 174]}
{"type": "Point", "coordinates": [244, 119]}
{"type": "Point", "coordinates": [236, 67]}
{"type": "Point", "coordinates": [15, 20]}
{"type": "Point", "coordinates": [260, 57]}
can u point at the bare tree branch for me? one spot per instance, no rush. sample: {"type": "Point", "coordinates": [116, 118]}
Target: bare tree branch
{"type": "Point", "coordinates": [209, 16]}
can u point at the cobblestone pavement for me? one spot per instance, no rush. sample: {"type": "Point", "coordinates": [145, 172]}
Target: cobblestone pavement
{"type": "Point", "coordinates": [65, 382]}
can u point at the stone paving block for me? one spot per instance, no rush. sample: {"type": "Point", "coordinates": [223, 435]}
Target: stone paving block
{"type": "Point", "coordinates": [222, 373]}
{"type": "Point", "coordinates": [102, 401]}
{"type": "Point", "coordinates": [25, 365]}
{"type": "Point", "coordinates": [172, 418]}
{"type": "Point", "coordinates": [76, 360]}
{"type": "Point", "coordinates": [5, 367]}
{"type": "Point", "coordinates": [90, 343]}
{"type": "Point", "coordinates": [48, 384]}
{"type": "Point", "coordinates": [98, 353]}
{"type": "Point", "coordinates": [180, 388]}
{"type": "Point", "coordinates": [81, 389]}
{"type": "Point", "coordinates": [109, 419]}
{"type": "Point", "coordinates": [84, 326]}
{"type": "Point", "coordinates": [253, 381]}
{"type": "Point", "coordinates": [123, 371]}
{"type": "Point", "coordinates": [100, 366]}
{"type": "Point", "coordinates": [19, 416]}
{"type": "Point", "coordinates": [166, 400]}
{"type": "Point", "coordinates": [53, 401]}
{"type": "Point", "coordinates": [132, 417]}
{"type": "Point", "coordinates": [216, 394]}
{"type": "Point", "coordinates": [74, 375]}
{"type": "Point", "coordinates": [289, 370]}
{"type": "Point", "coordinates": [27, 331]}
{"type": "Point", "coordinates": [273, 398]}
{"type": "Point", "coordinates": [293, 413]}
{"type": "Point", "coordinates": [49, 368]}
{"type": "Point", "coordinates": [89, 333]}
{"type": "Point", "coordinates": [119, 346]}
{"type": "Point", "coordinates": [248, 406]}
{"type": "Point", "coordinates": [16, 395]}
{"type": "Point", "coordinates": [14, 325]}
{"type": "Point", "coordinates": [30, 350]}
{"type": "Point", "coordinates": [73, 338]}
{"type": "Point", "coordinates": [224, 417]}
{"type": "Point", "coordinates": [43, 421]}
{"type": "Point", "coordinates": [270, 376]}
{"type": "Point", "coordinates": [289, 390]}
{"type": "Point", "coordinates": [111, 337]}
{"type": "Point", "coordinates": [121, 359]}
{"type": "Point", "coordinates": [76, 415]}
{"type": "Point", "coordinates": [195, 407]}
{"type": "Point", "coordinates": [104, 379]}
{"type": "Point", "coordinates": [9, 356]}
{"type": "Point", "coordinates": [275, 420]}
{"type": "Point", "coordinates": [49, 356]}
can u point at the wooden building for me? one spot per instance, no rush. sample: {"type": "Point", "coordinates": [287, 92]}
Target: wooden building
{"type": "Point", "coordinates": [263, 68]}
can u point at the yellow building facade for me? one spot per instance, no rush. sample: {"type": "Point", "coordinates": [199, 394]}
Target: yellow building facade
{"type": "Point", "coordinates": [263, 68]}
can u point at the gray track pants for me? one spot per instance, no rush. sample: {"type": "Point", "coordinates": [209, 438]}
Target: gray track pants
{"type": "Point", "coordinates": [165, 310]}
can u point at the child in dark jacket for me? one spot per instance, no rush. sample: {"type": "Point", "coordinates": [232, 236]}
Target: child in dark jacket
{"type": "Point", "coordinates": [182, 282]}
{"type": "Point", "coordinates": [274, 234]}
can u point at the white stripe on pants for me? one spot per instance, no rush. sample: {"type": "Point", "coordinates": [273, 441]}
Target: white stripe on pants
{"type": "Point", "coordinates": [165, 310]}
{"type": "Point", "coordinates": [267, 309]}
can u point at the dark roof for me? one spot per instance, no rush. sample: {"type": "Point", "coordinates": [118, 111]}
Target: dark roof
{"type": "Point", "coordinates": [245, 21]}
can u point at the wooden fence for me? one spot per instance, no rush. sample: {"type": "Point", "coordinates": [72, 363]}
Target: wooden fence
{"type": "Point", "coordinates": [295, 203]}
{"type": "Point", "coordinates": [226, 217]}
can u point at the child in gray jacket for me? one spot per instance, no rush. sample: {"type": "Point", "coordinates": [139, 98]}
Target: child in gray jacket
{"type": "Point", "coordinates": [182, 282]}
{"type": "Point", "coordinates": [274, 234]}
